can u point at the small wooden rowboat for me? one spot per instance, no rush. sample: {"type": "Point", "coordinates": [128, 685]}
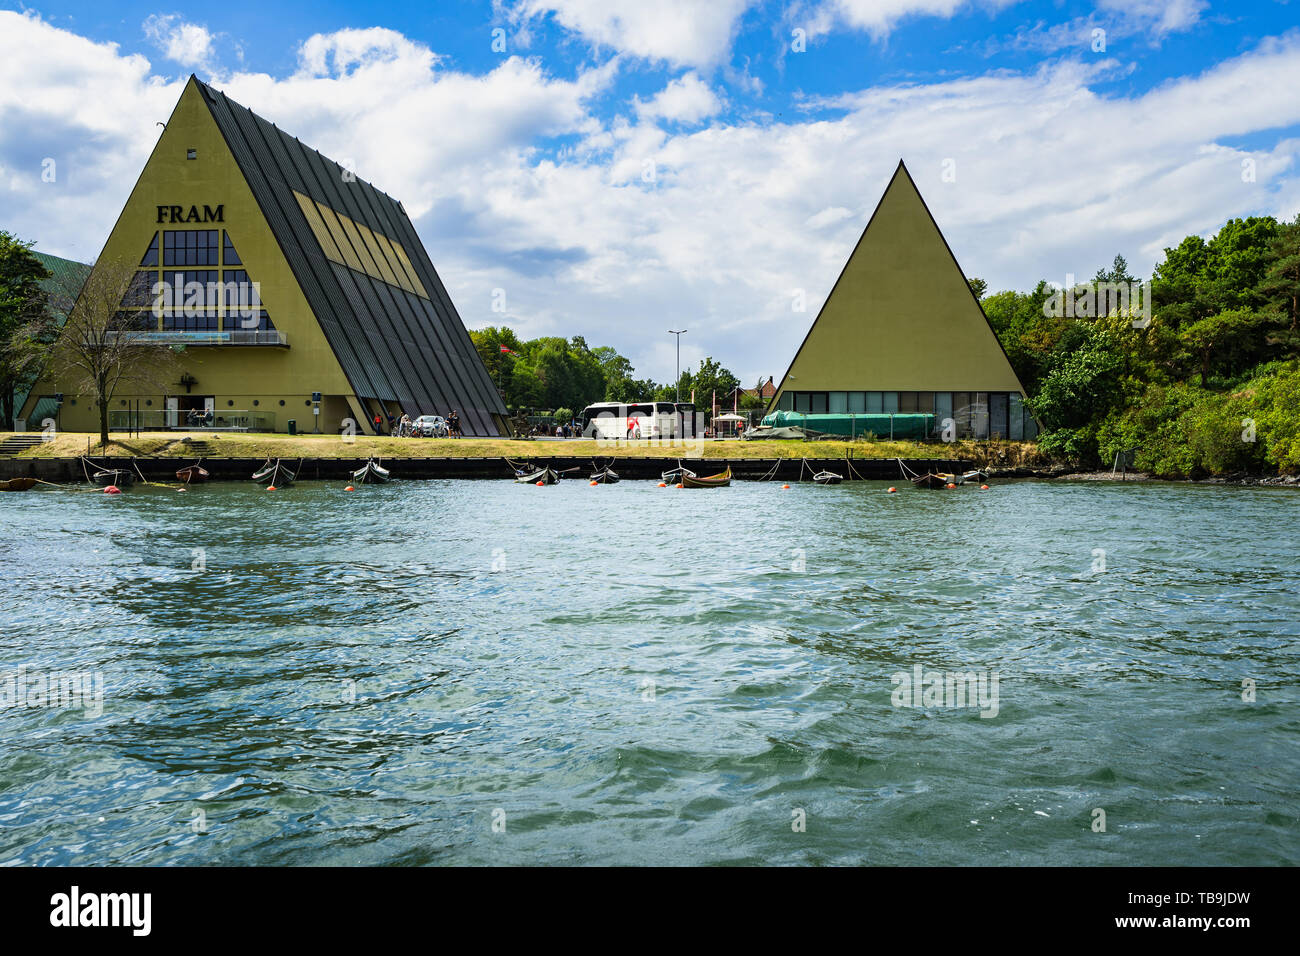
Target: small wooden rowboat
{"type": "Point", "coordinates": [371, 473]}
{"type": "Point", "coordinates": [119, 477]}
{"type": "Point", "coordinates": [827, 478]}
{"type": "Point", "coordinates": [547, 476]}
{"type": "Point", "coordinates": [274, 473]}
{"type": "Point", "coordinates": [606, 476]}
{"type": "Point", "coordinates": [674, 476]}
{"type": "Point", "coordinates": [17, 484]}
{"type": "Point", "coordinates": [721, 480]}
{"type": "Point", "coordinates": [192, 474]}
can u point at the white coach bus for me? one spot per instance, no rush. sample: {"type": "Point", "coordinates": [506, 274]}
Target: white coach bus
{"type": "Point", "coordinates": [652, 420]}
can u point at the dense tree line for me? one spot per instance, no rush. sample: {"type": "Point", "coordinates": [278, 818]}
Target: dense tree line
{"type": "Point", "coordinates": [1210, 385]}
{"type": "Point", "coordinates": [555, 373]}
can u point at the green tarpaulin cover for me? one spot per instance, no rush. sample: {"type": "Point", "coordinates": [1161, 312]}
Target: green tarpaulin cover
{"type": "Point", "coordinates": [910, 425]}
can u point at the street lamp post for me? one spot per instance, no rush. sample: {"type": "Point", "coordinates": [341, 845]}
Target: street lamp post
{"type": "Point", "coordinates": [678, 333]}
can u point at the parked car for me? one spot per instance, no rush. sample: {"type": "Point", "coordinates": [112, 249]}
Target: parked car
{"type": "Point", "coordinates": [430, 426]}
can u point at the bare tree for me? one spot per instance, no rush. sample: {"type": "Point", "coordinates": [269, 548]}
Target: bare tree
{"type": "Point", "coordinates": [104, 346]}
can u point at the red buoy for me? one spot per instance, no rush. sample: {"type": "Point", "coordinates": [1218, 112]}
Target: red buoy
{"type": "Point", "coordinates": [785, 487]}
{"type": "Point", "coordinates": [950, 485]}
{"type": "Point", "coordinates": [270, 488]}
{"type": "Point", "coordinates": [541, 484]}
{"type": "Point", "coordinates": [892, 490]}
{"type": "Point", "coordinates": [350, 488]}
{"type": "Point", "coordinates": [984, 487]}
{"type": "Point", "coordinates": [112, 490]}
{"type": "Point", "coordinates": [679, 486]}
{"type": "Point", "coordinates": [663, 484]}
{"type": "Point", "coordinates": [594, 484]}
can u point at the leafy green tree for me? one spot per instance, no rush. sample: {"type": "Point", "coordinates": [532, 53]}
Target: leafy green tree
{"type": "Point", "coordinates": [1118, 272]}
{"type": "Point", "coordinates": [1280, 288]}
{"type": "Point", "coordinates": [1277, 399]}
{"type": "Point", "coordinates": [710, 379]}
{"type": "Point", "coordinates": [1216, 337]}
{"type": "Point", "coordinates": [24, 332]}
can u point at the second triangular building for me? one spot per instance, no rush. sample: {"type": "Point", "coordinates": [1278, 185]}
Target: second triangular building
{"type": "Point", "coordinates": [901, 332]}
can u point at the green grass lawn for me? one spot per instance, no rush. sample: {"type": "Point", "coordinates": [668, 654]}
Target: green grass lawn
{"type": "Point", "coordinates": [240, 445]}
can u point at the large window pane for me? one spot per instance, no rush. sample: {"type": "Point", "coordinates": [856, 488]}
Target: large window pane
{"type": "Point", "coordinates": [942, 409]}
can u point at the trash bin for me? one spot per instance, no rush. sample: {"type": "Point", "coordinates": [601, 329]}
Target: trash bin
{"type": "Point", "coordinates": [293, 426]}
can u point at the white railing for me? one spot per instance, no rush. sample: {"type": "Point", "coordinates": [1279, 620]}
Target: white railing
{"type": "Point", "coordinates": [166, 419]}
{"type": "Point", "coordinates": [210, 337]}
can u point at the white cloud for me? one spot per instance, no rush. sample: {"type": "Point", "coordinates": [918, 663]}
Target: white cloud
{"type": "Point", "coordinates": [878, 17]}
{"type": "Point", "coordinates": [680, 32]}
{"type": "Point", "coordinates": [1116, 19]}
{"type": "Point", "coordinates": [687, 99]}
{"type": "Point", "coordinates": [188, 44]}
{"type": "Point", "coordinates": [1164, 16]}
{"type": "Point", "coordinates": [1051, 176]}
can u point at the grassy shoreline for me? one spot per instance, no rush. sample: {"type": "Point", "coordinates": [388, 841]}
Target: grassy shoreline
{"type": "Point", "coordinates": [237, 445]}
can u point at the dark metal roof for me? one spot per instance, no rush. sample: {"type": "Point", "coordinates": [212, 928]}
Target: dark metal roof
{"type": "Point", "coordinates": [393, 345]}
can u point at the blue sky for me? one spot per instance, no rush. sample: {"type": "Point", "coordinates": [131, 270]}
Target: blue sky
{"type": "Point", "coordinates": [623, 166]}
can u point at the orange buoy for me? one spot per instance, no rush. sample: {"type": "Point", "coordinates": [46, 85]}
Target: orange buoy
{"type": "Point", "coordinates": [950, 485]}
{"type": "Point", "coordinates": [350, 488]}
{"type": "Point", "coordinates": [541, 484]}
{"type": "Point", "coordinates": [112, 490]}
{"type": "Point", "coordinates": [785, 487]}
{"type": "Point", "coordinates": [270, 488]}
{"type": "Point", "coordinates": [892, 490]}
{"type": "Point", "coordinates": [679, 486]}
{"type": "Point", "coordinates": [663, 484]}
{"type": "Point", "coordinates": [594, 484]}
{"type": "Point", "coordinates": [984, 487]}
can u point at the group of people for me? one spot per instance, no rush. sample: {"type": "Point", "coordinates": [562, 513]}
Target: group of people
{"type": "Point", "coordinates": [564, 430]}
{"type": "Point", "coordinates": [407, 427]}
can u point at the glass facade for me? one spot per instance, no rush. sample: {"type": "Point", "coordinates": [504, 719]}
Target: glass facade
{"type": "Point", "coordinates": [195, 299]}
{"type": "Point", "coordinates": [979, 415]}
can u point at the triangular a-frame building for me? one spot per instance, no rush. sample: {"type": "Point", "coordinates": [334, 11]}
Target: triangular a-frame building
{"type": "Point", "coordinates": [350, 306]}
{"type": "Point", "coordinates": [901, 331]}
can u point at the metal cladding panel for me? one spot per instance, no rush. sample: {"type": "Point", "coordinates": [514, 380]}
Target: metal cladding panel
{"type": "Point", "coordinates": [448, 318]}
{"type": "Point", "coordinates": [366, 350]}
{"type": "Point", "coordinates": [443, 329]}
{"type": "Point", "coordinates": [267, 183]}
{"type": "Point", "coordinates": [352, 286]}
{"type": "Point", "coordinates": [393, 345]}
{"type": "Point", "coordinates": [476, 415]}
{"type": "Point", "coordinates": [456, 340]}
{"type": "Point", "coordinates": [428, 369]}
{"type": "Point", "coordinates": [399, 349]}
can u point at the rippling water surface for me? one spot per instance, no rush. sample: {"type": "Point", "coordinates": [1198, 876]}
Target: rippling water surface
{"type": "Point", "coordinates": [628, 674]}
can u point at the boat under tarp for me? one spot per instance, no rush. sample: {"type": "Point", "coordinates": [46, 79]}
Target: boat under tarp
{"type": "Point", "coordinates": [274, 473]}
{"type": "Point", "coordinates": [117, 477]}
{"type": "Point", "coordinates": [545, 476]}
{"type": "Point", "coordinates": [371, 473]}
